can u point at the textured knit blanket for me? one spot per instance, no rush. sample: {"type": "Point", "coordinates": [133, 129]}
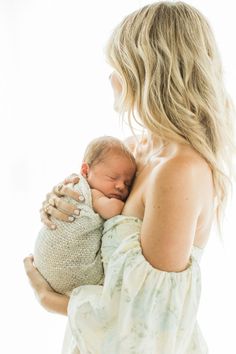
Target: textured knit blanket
{"type": "Point", "coordinates": [70, 255]}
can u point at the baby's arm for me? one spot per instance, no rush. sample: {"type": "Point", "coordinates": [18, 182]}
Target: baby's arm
{"type": "Point", "coordinates": [104, 206]}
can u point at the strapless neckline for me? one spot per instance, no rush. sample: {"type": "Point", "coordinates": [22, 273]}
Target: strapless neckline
{"type": "Point", "coordinates": [138, 220]}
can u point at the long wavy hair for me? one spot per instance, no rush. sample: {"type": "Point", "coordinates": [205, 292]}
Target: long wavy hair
{"type": "Point", "coordinates": [167, 59]}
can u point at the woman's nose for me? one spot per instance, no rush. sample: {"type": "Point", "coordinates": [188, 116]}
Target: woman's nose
{"type": "Point", "coordinates": [110, 76]}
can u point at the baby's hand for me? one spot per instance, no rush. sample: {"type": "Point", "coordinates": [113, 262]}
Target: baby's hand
{"type": "Point", "coordinates": [106, 207]}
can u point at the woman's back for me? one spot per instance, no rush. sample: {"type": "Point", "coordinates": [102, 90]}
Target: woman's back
{"type": "Point", "coordinates": [174, 151]}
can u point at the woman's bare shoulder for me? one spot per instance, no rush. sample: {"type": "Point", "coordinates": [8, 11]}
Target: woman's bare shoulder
{"type": "Point", "coordinates": [185, 162]}
{"type": "Point", "coordinates": [187, 155]}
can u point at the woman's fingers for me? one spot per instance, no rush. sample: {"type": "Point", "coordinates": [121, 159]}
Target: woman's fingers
{"type": "Point", "coordinates": [45, 210]}
{"type": "Point", "coordinates": [38, 283]}
{"type": "Point", "coordinates": [28, 264]}
{"type": "Point", "coordinates": [57, 207]}
{"type": "Point", "coordinates": [46, 220]}
{"type": "Point", "coordinates": [72, 194]}
{"type": "Point", "coordinates": [67, 208]}
{"type": "Point", "coordinates": [61, 205]}
{"type": "Point", "coordinates": [57, 190]}
{"type": "Point", "coordinates": [73, 178]}
{"type": "Point", "coordinates": [30, 270]}
{"type": "Point", "coordinates": [68, 192]}
{"type": "Point", "coordinates": [57, 214]}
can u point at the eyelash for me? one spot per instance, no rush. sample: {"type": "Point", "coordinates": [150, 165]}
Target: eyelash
{"type": "Point", "coordinates": [128, 185]}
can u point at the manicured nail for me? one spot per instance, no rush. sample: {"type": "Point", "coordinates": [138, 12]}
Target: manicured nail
{"type": "Point", "coordinates": [81, 198]}
{"type": "Point", "coordinates": [71, 218]}
{"type": "Point", "coordinates": [53, 227]}
{"type": "Point", "coordinates": [76, 212]}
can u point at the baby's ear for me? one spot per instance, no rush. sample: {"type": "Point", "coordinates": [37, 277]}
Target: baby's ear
{"type": "Point", "coordinates": [84, 169]}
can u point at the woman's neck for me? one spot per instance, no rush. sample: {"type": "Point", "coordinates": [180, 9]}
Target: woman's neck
{"type": "Point", "coordinates": [151, 144]}
{"type": "Point", "coordinates": [150, 148]}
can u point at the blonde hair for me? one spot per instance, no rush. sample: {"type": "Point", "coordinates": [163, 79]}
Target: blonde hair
{"type": "Point", "coordinates": [167, 59]}
{"type": "Point", "coordinates": [98, 149]}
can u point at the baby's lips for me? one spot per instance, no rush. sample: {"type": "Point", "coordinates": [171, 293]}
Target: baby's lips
{"type": "Point", "coordinates": [117, 196]}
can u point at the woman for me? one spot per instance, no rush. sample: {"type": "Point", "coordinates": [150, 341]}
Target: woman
{"type": "Point", "coordinates": [168, 77]}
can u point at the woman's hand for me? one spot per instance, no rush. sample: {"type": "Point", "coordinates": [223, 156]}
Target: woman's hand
{"type": "Point", "coordinates": [55, 206]}
{"type": "Point", "coordinates": [46, 296]}
{"type": "Point", "coordinates": [37, 282]}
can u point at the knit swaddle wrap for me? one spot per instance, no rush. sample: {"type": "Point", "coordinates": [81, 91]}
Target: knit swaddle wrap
{"type": "Point", "coordinates": [70, 255]}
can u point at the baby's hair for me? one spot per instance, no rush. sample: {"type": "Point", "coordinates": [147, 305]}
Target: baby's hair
{"type": "Point", "coordinates": [98, 149]}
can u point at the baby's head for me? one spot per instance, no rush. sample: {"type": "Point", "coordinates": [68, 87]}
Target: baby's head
{"type": "Point", "coordinates": [109, 167]}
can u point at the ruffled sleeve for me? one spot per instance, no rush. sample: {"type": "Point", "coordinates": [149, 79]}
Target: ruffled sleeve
{"type": "Point", "coordinates": [139, 309]}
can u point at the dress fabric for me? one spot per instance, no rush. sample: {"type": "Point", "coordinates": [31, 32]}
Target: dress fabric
{"type": "Point", "coordinates": [139, 309]}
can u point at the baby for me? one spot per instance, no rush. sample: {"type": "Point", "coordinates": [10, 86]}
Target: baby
{"type": "Point", "coordinates": [70, 255]}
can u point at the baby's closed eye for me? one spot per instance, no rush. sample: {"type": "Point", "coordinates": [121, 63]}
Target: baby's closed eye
{"type": "Point", "coordinates": [112, 178]}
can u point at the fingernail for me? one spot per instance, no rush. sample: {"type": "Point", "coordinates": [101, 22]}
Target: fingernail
{"type": "Point", "coordinates": [71, 218]}
{"type": "Point", "coordinates": [81, 198]}
{"type": "Point", "coordinates": [53, 227]}
{"type": "Point", "coordinates": [76, 212]}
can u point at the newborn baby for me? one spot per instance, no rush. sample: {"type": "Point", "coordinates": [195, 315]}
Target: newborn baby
{"type": "Point", "coordinates": [70, 255]}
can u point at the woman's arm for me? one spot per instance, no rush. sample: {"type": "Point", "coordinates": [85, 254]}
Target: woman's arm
{"type": "Point", "coordinates": [47, 297]}
{"type": "Point", "coordinates": [54, 302]}
{"type": "Point", "coordinates": [173, 202]}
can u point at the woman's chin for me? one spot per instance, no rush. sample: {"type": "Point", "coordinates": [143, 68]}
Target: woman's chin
{"type": "Point", "coordinates": [116, 108]}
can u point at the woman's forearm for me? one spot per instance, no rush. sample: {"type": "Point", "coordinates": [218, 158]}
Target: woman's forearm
{"type": "Point", "coordinates": [54, 302]}
{"type": "Point", "coordinates": [47, 297]}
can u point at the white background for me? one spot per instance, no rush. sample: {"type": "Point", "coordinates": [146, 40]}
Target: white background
{"type": "Point", "coordinates": [55, 97]}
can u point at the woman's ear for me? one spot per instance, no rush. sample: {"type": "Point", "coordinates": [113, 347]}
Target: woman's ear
{"type": "Point", "coordinates": [84, 169]}
{"type": "Point", "coordinates": [116, 82]}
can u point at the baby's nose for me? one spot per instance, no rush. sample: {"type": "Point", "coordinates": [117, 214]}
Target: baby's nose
{"type": "Point", "coordinates": [120, 185]}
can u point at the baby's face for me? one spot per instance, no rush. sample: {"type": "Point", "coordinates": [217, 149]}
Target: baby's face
{"type": "Point", "coordinates": [113, 176]}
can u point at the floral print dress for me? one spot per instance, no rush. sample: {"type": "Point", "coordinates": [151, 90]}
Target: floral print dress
{"type": "Point", "coordinates": [139, 309]}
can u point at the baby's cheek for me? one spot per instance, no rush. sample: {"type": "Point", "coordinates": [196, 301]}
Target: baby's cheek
{"type": "Point", "coordinates": [109, 186]}
{"type": "Point", "coordinates": [126, 193]}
